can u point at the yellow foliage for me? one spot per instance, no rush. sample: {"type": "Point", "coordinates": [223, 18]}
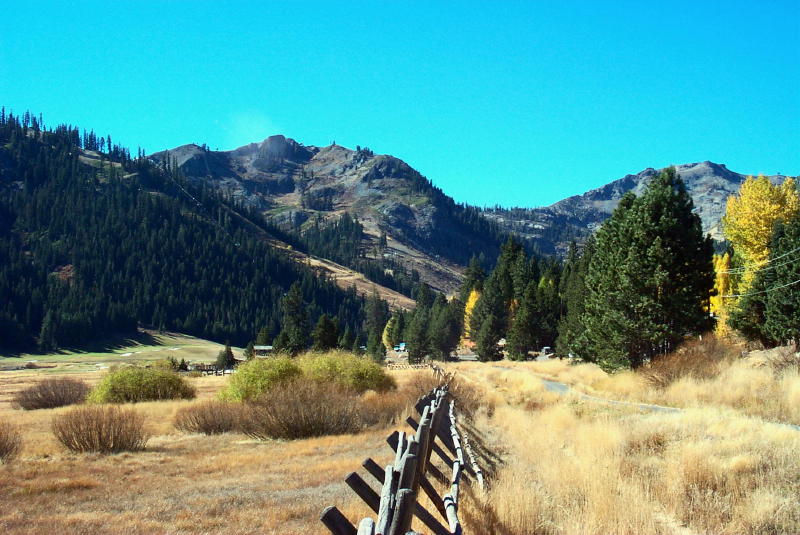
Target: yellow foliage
{"type": "Point", "coordinates": [750, 217]}
{"type": "Point", "coordinates": [385, 337]}
{"type": "Point", "coordinates": [722, 287]}
{"type": "Point", "coordinates": [474, 295]}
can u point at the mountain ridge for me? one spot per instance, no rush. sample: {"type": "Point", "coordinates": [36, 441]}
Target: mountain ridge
{"type": "Point", "coordinates": [551, 228]}
{"type": "Point", "coordinates": [293, 183]}
{"type": "Point", "coordinates": [406, 219]}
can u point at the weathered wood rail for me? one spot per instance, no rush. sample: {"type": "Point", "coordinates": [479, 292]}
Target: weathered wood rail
{"type": "Point", "coordinates": [397, 503]}
{"type": "Point", "coordinates": [394, 366]}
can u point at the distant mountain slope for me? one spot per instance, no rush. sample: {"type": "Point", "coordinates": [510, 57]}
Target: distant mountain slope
{"type": "Point", "coordinates": [94, 242]}
{"type": "Point", "coordinates": [552, 228]}
{"type": "Point", "coordinates": [298, 186]}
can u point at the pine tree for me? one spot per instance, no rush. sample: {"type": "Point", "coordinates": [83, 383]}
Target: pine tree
{"type": "Point", "coordinates": [47, 334]}
{"type": "Point", "coordinates": [325, 335]}
{"type": "Point", "coordinates": [250, 352]}
{"type": "Point", "coordinates": [293, 337]}
{"type": "Point", "coordinates": [546, 307]}
{"type": "Point", "coordinates": [398, 328]}
{"type": "Point", "coordinates": [417, 342]}
{"type": "Point", "coordinates": [490, 311]}
{"type": "Point", "coordinates": [649, 278]}
{"type": "Point", "coordinates": [522, 335]}
{"type": "Point", "coordinates": [375, 347]}
{"type": "Point", "coordinates": [474, 276]}
{"type": "Point", "coordinates": [749, 315]}
{"type": "Point", "coordinates": [444, 328]}
{"type": "Point", "coordinates": [225, 358]}
{"type": "Point", "coordinates": [347, 339]}
{"type": "Point", "coordinates": [263, 337]}
{"type": "Point", "coordinates": [571, 333]}
{"type": "Point", "coordinates": [488, 336]}
{"type": "Point", "coordinates": [782, 307]}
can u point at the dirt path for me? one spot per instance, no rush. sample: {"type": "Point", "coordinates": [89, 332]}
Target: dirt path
{"type": "Point", "coordinates": [564, 389]}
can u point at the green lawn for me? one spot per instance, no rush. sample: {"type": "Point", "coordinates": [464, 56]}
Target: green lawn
{"type": "Point", "coordinates": [143, 347]}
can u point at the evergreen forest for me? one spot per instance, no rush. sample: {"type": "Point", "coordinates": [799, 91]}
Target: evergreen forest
{"type": "Point", "coordinates": [94, 241]}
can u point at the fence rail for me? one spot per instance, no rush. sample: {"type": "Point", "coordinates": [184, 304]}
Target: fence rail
{"type": "Point", "coordinates": [394, 366]}
{"type": "Point", "coordinates": [402, 480]}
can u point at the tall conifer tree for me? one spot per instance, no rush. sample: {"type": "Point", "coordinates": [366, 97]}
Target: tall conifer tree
{"type": "Point", "coordinates": [650, 277]}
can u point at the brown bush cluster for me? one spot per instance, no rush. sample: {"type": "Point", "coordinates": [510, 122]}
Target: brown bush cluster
{"type": "Point", "coordinates": [302, 409]}
{"type": "Point", "coordinates": [10, 442]}
{"type": "Point", "coordinates": [210, 417]}
{"type": "Point", "coordinates": [382, 410]}
{"type": "Point", "coordinates": [103, 429]}
{"type": "Point", "coordinates": [51, 393]}
{"type": "Point", "coordinates": [698, 359]}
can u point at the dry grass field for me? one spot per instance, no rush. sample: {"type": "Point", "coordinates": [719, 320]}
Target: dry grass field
{"type": "Point", "coordinates": [557, 464]}
{"type": "Point", "coordinates": [575, 466]}
{"type": "Point", "coordinates": [182, 483]}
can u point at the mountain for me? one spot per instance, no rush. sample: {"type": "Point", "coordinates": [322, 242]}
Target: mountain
{"type": "Point", "coordinates": [410, 228]}
{"type": "Point", "coordinates": [94, 242]}
{"type": "Point", "coordinates": [552, 228]}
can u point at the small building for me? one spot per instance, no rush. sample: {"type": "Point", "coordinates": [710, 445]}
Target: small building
{"type": "Point", "coordinates": [262, 351]}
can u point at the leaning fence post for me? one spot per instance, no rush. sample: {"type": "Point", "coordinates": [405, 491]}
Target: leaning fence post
{"type": "Point", "coordinates": [336, 522]}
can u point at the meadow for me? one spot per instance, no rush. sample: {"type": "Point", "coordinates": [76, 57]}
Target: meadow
{"type": "Point", "coordinates": [182, 482]}
{"type": "Point", "coordinates": [556, 463]}
{"type": "Point", "coordinates": [578, 465]}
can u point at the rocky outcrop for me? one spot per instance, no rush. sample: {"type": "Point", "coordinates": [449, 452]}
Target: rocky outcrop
{"type": "Point", "coordinates": [291, 183]}
{"type": "Point", "coordinates": [552, 228]}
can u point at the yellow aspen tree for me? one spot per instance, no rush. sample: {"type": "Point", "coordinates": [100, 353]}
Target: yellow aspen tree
{"type": "Point", "coordinates": [474, 295]}
{"type": "Point", "coordinates": [719, 304]}
{"type": "Point", "coordinates": [750, 217]}
{"type": "Point", "coordinates": [386, 336]}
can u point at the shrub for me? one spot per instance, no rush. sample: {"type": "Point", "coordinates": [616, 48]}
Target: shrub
{"type": "Point", "coordinates": [209, 417]}
{"type": "Point", "coordinates": [10, 442]}
{"type": "Point", "coordinates": [347, 370]}
{"type": "Point", "coordinates": [255, 377]}
{"type": "Point", "coordinates": [301, 409]}
{"type": "Point", "coordinates": [140, 384]}
{"type": "Point", "coordinates": [104, 429]}
{"type": "Point", "coordinates": [51, 393]}
{"type": "Point", "coordinates": [784, 360]}
{"type": "Point", "coordinates": [422, 382]}
{"type": "Point", "coordinates": [698, 359]}
{"type": "Point", "coordinates": [387, 408]}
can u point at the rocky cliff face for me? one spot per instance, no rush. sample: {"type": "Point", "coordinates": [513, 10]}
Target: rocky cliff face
{"type": "Point", "coordinates": [292, 183]}
{"type": "Point", "coordinates": [552, 228]}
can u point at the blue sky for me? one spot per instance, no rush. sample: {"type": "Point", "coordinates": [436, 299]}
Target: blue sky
{"type": "Point", "coordinates": [515, 103]}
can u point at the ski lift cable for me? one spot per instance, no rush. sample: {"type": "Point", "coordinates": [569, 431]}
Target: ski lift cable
{"type": "Point", "coordinates": [742, 270]}
{"type": "Point", "coordinates": [766, 266]}
{"type": "Point", "coordinates": [768, 290]}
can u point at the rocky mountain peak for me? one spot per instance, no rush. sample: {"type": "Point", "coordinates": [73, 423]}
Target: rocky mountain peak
{"type": "Point", "coordinates": [553, 227]}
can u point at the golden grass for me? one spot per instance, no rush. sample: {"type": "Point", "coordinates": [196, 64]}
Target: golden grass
{"type": "Point", "coordinates": [752, 387]}
{"type": "Point", "coordinates": [581, 467]}
{"type": "Point", "coordinates": [186, 483]}
{"type": "Point", "coordinates": [556, 464]}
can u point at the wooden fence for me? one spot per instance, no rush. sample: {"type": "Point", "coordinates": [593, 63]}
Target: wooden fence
{"type": "Point", "coordinates": [409, 366]}
{"type": "Point", "coordinates": [436, 432]}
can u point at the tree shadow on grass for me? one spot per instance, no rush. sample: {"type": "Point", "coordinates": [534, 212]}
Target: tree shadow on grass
{"type": "Point", "coordinates": [101, 345]}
